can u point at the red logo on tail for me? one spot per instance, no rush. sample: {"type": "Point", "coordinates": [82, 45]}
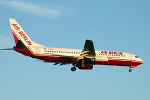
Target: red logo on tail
{"type": "Point", "coordinates": [22, 34]}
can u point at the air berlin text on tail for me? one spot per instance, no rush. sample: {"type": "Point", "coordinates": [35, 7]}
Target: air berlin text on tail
{"type": "Point", "coordinates": [22, 34]}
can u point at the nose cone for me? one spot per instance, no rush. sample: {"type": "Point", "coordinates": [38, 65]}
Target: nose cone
{"type": "Point", "coordinates": [141, 61]}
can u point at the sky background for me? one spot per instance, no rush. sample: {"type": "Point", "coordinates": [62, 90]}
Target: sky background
{"type": "Point", "coordinates": [116, 25]}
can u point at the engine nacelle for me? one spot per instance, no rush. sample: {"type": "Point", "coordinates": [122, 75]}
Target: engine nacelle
{"type": "Point", "coordinates": [87, 61]}
{"type": "Point", "coordinates": [86, 66]}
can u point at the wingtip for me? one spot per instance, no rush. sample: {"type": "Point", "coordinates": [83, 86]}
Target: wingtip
{"type": "Point", "coordinates": [88, 40]}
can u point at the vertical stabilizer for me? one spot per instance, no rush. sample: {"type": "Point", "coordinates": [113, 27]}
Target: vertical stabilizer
{"type": "Point", "coordinates": [19, 34]}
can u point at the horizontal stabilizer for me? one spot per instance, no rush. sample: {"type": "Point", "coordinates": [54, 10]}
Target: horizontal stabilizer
{"type": "Point", "coordinates": [8, 49]}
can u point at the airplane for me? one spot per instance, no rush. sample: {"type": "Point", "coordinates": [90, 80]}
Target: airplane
{"type": "Point", "coordinates": [80, 58]}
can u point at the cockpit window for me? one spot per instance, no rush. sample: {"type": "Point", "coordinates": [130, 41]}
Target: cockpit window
{"type": "Point", "coordinates": [136, 57]}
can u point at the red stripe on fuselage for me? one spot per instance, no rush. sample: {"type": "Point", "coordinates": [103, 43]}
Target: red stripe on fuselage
{"type": "Point", "coordinates": [23, 51]}
{"type": "Point", "coordinates": [123, 62]}
{"type": "Point", "coordinates": [30, 50]}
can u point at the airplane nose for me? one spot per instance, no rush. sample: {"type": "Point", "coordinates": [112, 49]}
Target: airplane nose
{"type": "Point", "coordinates": [141, 61]}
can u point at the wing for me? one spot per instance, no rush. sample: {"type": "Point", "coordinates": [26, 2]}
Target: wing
{"type": "Point", "coordinates": [88, 53]}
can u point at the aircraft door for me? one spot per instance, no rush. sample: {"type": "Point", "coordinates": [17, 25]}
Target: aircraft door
{"type": "Point", "coordinates": [37, 51]}
{"type": "Point", "coordinates": [130, 56]}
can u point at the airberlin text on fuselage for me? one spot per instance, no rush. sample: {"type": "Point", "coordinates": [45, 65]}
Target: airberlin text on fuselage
{"type": "Point", "coordinates": [22, 34]}
{"type": "Point", "coordinates": [111, 53]}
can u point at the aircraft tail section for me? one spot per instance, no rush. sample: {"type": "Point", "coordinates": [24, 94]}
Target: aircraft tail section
{"type": "Point", "coordinates": [20, 36]}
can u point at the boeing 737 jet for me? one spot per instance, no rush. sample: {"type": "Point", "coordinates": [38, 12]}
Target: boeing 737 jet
{"type": "Point", "coordinates": [80, 58]}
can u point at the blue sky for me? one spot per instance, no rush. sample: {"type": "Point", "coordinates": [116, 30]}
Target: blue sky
{"type": "Point", "coordinates": [117, 25]}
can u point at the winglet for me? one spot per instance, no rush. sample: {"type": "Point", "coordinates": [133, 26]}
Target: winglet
{"type": "Point", "coordinates": [88, 51]}
{"type": "Point", "coordinates": [89, 46]}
